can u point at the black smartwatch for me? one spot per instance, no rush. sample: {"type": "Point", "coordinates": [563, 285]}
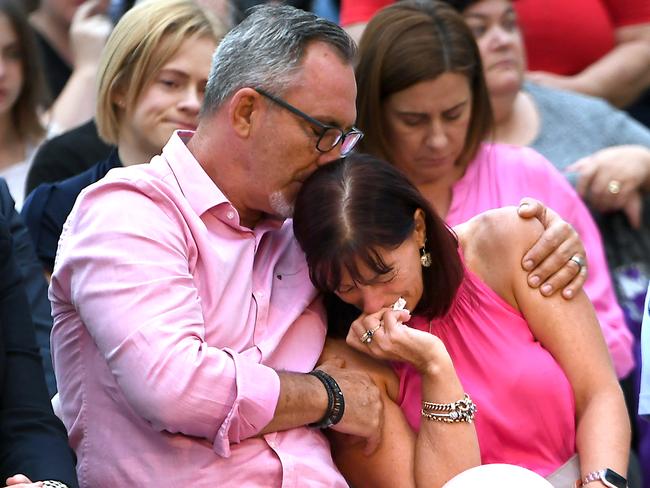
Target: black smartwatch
{"type": "Point", "coordinates": [607, 476]}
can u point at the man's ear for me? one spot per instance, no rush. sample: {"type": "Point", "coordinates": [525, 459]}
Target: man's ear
{"type": "Point", "coordinates": [243, 105]}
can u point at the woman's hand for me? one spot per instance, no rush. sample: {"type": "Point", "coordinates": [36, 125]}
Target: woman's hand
{"type": "Point", "coordinates": [392, 340]}
{"type": "Point", "coordinates": [614, 179]}
{"type": "Point", "coordinates": [549, 262]}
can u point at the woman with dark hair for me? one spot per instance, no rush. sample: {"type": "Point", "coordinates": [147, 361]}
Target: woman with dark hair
{"type": "Point", "coordinates": [21, 90]}
{"type": "Point", "coordinates": [536, 367]}
{"type": "Point", "coordinates": [424, 107]}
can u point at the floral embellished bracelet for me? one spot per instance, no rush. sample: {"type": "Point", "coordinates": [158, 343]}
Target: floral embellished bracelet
{"type": "Point", "coordinates": [459, 411]}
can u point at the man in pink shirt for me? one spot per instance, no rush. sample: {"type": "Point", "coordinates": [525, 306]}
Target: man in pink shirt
{"type": "Point", "coordinates": [184, 318]}
{"type": "Point", "coordinates": [183, 307]}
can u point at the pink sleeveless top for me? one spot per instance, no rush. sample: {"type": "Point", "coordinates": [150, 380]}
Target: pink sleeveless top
{"type": "Point", "coordinates": [526, 410]}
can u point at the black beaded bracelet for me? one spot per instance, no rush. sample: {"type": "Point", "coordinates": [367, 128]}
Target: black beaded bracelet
{"type": "Point", "coordinates": [335, 401]}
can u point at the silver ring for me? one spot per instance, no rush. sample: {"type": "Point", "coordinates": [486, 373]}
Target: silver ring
{"type": "Point", "coordinates": [579, 260]}
{"type": "Point", "coordinates": [614, 187]}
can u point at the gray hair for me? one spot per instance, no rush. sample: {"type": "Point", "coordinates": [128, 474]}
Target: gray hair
{"type": "Point", "coordinates": [266, 49]}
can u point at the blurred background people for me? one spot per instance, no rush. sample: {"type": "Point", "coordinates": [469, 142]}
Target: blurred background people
{"type": "Point", "coordinates": [34, 282]}
{"type": "Point", "coordinates": [609, 54]}
{"type": "Point", "coordinates": [33, 441]}
{"type": "Point", "coordinates": [77, 149]}
{"type": "Point", "coordinates": [71, 35]}
{"type": "Point", "coordinates": [21, 86]}
{"type": "Point", "coordinates": [610, 46]}
{"type": "Point", "coordinates": [152, 76]}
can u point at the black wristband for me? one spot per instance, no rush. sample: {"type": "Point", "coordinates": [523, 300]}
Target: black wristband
{"type": "Point", "coordinates": [335, 401]}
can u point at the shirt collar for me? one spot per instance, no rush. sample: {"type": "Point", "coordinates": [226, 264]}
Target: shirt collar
{"type": "Point", "coordinates": [200, 191]}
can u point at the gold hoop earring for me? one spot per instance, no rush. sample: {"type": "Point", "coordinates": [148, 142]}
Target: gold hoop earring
{"type": "Point", "coordinates": [425, 257]}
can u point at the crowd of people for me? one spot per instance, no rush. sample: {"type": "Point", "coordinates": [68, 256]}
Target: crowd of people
{"type": "Point", "coordinates": [283, 244]}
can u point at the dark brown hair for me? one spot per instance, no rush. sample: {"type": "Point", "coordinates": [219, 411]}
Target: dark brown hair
{"type": "Point", "coordinates": [353, 208]}
{"type": "Point", "coordinates": [33, 92]}
{"type": "Point", "coordinates": [410, 42]}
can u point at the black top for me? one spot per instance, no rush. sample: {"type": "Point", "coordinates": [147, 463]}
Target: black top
{"type": "Point", "coordinates": [46, 209]}
{"type": "Point", "coordinates": [56, 69]}
{"type": "Point", "coordinates": [67, 155]}
{"type": "Point", "coordinates": [33, 280]}
{"type": "Point", "coordinates": [33, 440]}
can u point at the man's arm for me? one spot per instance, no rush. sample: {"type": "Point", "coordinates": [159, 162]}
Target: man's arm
{"type": "Point", "coordinates": [303, 401]}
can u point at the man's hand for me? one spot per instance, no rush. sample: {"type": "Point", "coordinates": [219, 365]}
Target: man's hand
{"type": "Point", "coordinates": [364, 410]}
{"type": "Point", "coordinates": [549, 261]}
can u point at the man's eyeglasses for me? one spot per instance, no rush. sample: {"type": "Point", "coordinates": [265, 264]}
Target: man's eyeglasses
{"type": "Point", "coordinates": [329, 135]}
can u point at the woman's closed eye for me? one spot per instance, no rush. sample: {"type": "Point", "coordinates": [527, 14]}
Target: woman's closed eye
{"type": "Point", "coordinates": [169, 83]}
{"type": "Point", "coordinates": [413, 120]}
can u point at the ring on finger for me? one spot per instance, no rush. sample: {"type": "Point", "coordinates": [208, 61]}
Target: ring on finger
{"type": "Point", "coordinates": [381, 324]}
{"type": "Point", "coordinates": [366, 338]}
{"type": "Point", "coordinates": [614, 187]}
{"type": "Point", "coordinates": [579, 260]}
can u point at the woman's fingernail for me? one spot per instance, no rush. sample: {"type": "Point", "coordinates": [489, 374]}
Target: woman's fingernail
{"type": "Point", "coordinates": [568, 293]}
{"type": "Point", "coordinates": [547, 289]}
{"type": "Point", "coordinates": [534, 280]}
{"type": "Point", "coordinates": [528, 264]}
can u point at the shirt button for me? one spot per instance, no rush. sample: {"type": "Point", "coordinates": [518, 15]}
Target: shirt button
{"type": "Point", "coordinates": [230, 214]}
{"type": "Point", "coordinates": [260, 294]}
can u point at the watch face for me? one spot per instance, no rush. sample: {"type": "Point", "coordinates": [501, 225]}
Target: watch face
{"type": "Point", "coordinates": [613, 479]}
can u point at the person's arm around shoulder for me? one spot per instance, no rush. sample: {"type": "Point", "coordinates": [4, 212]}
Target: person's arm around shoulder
{"type": "Point", "coordinates": [569, 330]}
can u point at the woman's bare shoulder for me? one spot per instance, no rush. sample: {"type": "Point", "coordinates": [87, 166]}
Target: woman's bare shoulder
{"type": "Point", "coordinates": [494, 244]}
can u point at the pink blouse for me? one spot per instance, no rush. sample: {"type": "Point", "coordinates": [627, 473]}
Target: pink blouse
{"type": "Point", "coordinates": [526, 410]}
{"type": "Point", "coordinates": [501, 175]}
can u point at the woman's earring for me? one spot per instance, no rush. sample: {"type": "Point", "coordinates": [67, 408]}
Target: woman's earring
{"type": "Point", "coordinates": [425, 257]}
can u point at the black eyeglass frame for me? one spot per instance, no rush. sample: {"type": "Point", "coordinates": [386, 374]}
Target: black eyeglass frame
{"type": "Point", "coordinates": [323, 127]}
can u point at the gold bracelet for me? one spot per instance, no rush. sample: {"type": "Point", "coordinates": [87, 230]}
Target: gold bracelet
{"type": "Point", "coordinates": [459, 411]}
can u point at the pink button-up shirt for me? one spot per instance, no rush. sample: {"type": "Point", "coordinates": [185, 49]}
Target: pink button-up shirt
{"type": "Point", "coordinates": [170, 322]}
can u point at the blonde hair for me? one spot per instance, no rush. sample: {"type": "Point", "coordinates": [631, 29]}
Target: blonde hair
{"type": "Point", "coordinates": [144, 39]}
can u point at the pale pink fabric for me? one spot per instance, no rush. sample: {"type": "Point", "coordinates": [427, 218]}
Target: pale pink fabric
{"type": "Point", "coordinates": [500, 176]}
{"type": "Point", "coordinates": [170, 320]}
{"type": "Point", "coordinates": [525, 402]}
